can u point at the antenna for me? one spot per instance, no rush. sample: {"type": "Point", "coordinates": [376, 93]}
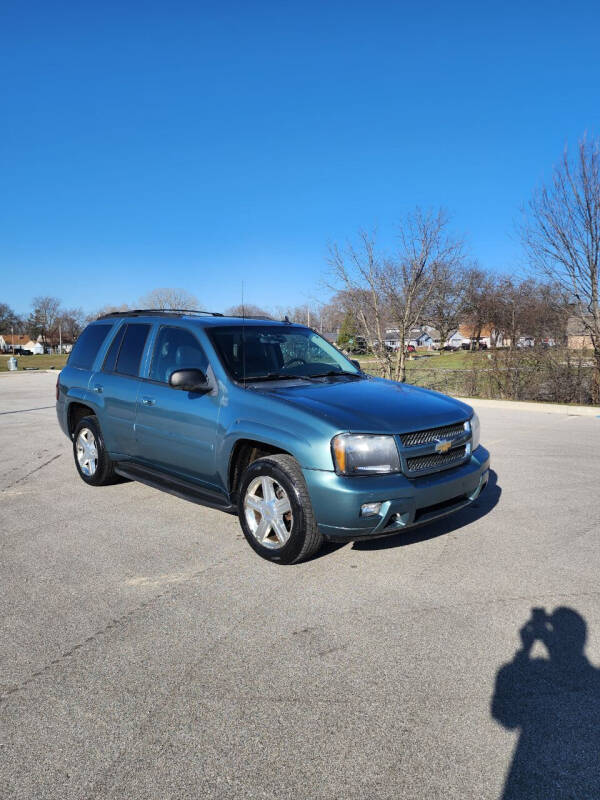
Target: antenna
{"type": "Point", "coordinates": [243, 338]}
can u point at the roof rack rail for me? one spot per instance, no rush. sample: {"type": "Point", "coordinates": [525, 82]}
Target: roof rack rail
{"type": "Point", "coordinates": [157, 312]}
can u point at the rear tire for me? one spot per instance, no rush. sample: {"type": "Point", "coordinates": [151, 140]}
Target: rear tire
{"type": "Point", "coordinates": [91, 459]}
{"type": "Point", "coordinates": [275, 511]}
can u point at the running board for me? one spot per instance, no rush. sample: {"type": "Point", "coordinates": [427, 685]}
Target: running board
{"type": "Point", "coordinates": [175, 486]}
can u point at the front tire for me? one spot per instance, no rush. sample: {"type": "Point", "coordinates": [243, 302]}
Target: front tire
{"type": "Point", "coordinates": [275, 511]}
{"type": "Point", "coordinates": [91, 459]}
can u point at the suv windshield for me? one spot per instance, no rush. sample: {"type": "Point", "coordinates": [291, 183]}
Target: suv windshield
{"type": "Point", "coordinates": [257, 352]}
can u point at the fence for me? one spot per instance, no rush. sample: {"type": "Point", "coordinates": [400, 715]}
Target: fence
{"type": "Point", "coordinates": [550, 378]}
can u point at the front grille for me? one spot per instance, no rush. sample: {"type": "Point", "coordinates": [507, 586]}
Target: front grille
{"type": "Point", "coordinates": [436, 460]}
{"type": "Point", "coordinates": [431, 435]}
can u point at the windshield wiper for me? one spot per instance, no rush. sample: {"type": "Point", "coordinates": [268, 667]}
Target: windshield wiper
{"type": "Point", "coordinates": [334, 372]}
{"type": "Point", "coordinates": [276, 376]}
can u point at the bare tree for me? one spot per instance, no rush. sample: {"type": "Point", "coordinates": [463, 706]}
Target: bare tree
{"type": "Point", "coordinates": [247, 310]}
{"type": "Point", "coordinates": [394, 291]}
{"type": "Point", "coordinates": [42, 319]}
{"type": "Point", "coordinates": [307, 314]}
{"type": "Point", "coordinates": [331, 315]}
{"type": "Point", "coordinates": [9, 319]}
{"type": "Point", "coordinates": [108, 309]}
{"type": "Point", "coordinates": [427, 254]}
{"type": "Point", "coordinates": [561, 234]}
{"type": "Point", "coordinates": [449, 300]}
{"type": "Point", "coordinates": [480, 305]}
{"type": "Point", "coordinates": [71, 322]}
{"type": "Point", "coordinates": [529, 308]}
{"type": "Point", "coordinates": [361, 273]}
{"type": "Point", "coordinates": [169, 298]}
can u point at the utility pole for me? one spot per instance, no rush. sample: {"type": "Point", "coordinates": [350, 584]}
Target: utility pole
{"type": "Point", "coordinates": [307, 317]}
{"type": "Point", "coordinates": [59, 339]}
{"type": "Point", "coordinates": [12, 336]}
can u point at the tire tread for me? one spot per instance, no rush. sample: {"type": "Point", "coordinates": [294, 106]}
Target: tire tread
{"type": "Point", "coordinates": [313, 537]}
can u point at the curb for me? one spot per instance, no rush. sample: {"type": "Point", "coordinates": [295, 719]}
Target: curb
{"type": "Point", "coordinates": [30, 372]}
{"type": "Point", "coordinates": [543, 408]}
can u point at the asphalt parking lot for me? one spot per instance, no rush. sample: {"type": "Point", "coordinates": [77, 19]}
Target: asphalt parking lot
{"type": "Point", "coordinates": [147, 652]}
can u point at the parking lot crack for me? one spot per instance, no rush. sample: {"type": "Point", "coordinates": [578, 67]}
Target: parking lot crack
{"type": "Point", "coordinates": [31, 472]}
{"type": "Point", "coordinates": [112, 624]}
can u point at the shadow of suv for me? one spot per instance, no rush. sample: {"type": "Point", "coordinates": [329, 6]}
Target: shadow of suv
{"type": "Point", "coordinates": [268, 421]}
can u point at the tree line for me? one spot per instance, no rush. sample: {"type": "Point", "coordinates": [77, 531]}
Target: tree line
{"type": "Point", "coordinates": [430, 278]}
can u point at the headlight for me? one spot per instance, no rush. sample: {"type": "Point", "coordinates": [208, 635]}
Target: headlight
{"type": "Point", "coordinates": [475, 431]}
{"type": "Point", "coordinates": [364, 454]}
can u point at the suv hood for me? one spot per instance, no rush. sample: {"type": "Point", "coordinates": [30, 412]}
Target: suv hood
{"type": "Point", "coordinates": [373, 405]}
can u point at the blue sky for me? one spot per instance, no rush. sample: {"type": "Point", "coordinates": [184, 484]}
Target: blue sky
{"type": "Point", "coordinates": [201, 144]}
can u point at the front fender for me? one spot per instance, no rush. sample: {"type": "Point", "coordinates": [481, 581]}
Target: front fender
{"type": "Point", "coordinates": [311, 451]}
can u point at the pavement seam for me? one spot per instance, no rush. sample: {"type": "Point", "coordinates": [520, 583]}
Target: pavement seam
{"type": "Point", "coordinates": [101, 783]}
{"type": "Point", "coordinates": [124, 618]}
{"type": "Point", "coordinates": [24, 410]}
{"type": "Point", "coordinates": [32, 472]}
{"type": "Point", "coordinates": [113, 623]}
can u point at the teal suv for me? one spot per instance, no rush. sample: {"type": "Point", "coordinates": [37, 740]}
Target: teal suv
{"type": "Point", "coordinates": [265, 420]}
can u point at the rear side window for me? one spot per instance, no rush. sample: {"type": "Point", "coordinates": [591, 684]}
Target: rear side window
{"type": "Point", "coordinates": [86, 347]}
{"type": "Point", "coordinates": [113, 351]}
{"type": "Point", "coordinates": [132, 347]}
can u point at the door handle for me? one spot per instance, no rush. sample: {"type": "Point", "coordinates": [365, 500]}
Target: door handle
{"type": "Point", "coordinates": [148, 401]}
{"type": "Point", "coordinates": [98, 388]}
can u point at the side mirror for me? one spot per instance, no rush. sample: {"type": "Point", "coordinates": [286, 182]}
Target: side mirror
{"type": "Point", "coordinates": [356, 363]}
{"type": "Point", "coordinates": [189, 380]}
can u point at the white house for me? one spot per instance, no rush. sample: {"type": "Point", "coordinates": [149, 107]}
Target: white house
{"type": "Point", "coordinates": [19, 341]}
{"type": "Point", "coordinates": [425, 336]}
{"type": "Point", "coordinates": [525, 341]}
{"type": "Point", "coordinates": [488, 336]}
{"type": "Point", "coordinates": [392, 338]}
{"type": "Point", "coordinates": [457, 340]}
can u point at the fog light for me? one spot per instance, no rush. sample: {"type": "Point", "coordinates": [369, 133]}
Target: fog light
{"type": "Point", "coordinates": [370, 509]}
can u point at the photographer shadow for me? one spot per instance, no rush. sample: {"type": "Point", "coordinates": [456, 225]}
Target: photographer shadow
{"type": "Point", "coordinates": [555, 704]}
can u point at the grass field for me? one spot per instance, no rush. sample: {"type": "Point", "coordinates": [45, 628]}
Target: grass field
{"type": "Point", "coordinates": [41, 362]}
{"type": "Point", "coordinates": [462, 359]}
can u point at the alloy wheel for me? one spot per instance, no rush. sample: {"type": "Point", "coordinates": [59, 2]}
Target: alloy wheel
{"type": "Point", "coordinates": [87, 452]}
{"type": "Point", "coordinates": [268, 512]}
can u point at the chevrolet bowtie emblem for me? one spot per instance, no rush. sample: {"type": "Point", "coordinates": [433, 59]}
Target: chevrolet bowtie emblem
{"type": "Point", "coordinates": [443, 447]}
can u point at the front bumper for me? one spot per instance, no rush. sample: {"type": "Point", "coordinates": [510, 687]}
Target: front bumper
{"type": "Point", "coordinates": [405, 502]}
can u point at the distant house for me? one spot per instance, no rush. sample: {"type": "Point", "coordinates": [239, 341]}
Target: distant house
{"type": "Point", "coordinates": [525, 341]}
{"type": "Point", "coordinates": [7, 340]}
{"type": "Point", "coordinates": [457, 339]}
{"type": "Point", "coordinates": [578, 336]}
{"type": "Point", "coordinates": [36, 347]}
{"type": "Point", "coordinates": [392, 338]}
{"type": "Point", "coordinates": [19, 341]}
{"type": "Point", "coordinates": [426, 336]}
{"type": "Point", "coordinates": [431, 337]}
{"type": "Point", "coordinates": [423, 336]}
{"type": "Point", "coordinates": [55, 343]}
{"type": "Point", "coordinates": [489, 336]}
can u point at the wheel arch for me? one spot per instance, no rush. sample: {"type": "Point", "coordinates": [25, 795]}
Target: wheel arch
{"type": "Point", "coordinates": [75, 413]}
{"type": "Point", "coordinates": [245, 452]}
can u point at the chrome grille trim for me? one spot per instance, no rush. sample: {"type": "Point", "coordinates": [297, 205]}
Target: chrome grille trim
{"type": "Point", "coordinates": [435, 461]}
{"type": "Point", "coordinates": [433, 434]}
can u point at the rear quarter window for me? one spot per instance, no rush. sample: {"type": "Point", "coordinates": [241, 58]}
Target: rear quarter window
{"type": "Point", "coordinates": [132, 347]}
{"type": "Point", "coordinates": [87, 345]}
